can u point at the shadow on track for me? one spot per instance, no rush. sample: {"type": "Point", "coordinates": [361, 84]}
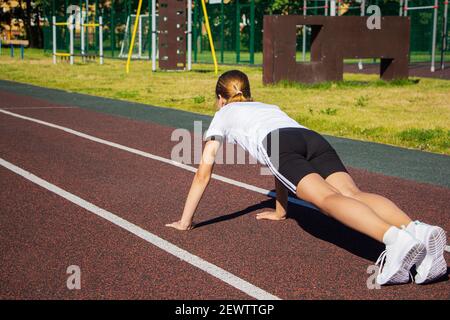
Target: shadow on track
{"type": "Point", "coordinates": [325, 228]}
{"type": "Point", "coordinates": [319, 226]}
{"type": "Point", "coordinates": [237, 214]}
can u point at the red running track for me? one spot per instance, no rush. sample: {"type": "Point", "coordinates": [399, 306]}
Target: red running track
{"type": "Point", "coordinates": [307, 256]}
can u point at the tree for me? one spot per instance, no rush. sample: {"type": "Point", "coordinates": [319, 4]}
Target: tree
{"type": "Point", "coordinates": [30, 12]}
{"type": "Point", "coordinates": [285, 6]}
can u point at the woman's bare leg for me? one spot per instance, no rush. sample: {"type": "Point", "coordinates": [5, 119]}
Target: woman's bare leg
{"type": "Point", "coordinates": [384, 208]}
{"type": "Point", "coordinates": [351, 212]}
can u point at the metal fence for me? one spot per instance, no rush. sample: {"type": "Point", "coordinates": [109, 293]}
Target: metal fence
{"type": "Point", "coordinates": [236, 26]}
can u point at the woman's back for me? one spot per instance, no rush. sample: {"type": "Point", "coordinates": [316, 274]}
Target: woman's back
{"type": "Point", "coordinates": [248, 123]}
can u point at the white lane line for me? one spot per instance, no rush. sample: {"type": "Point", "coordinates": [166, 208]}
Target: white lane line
{"type": "Point", "coordinates": [158, 158]}
{"type": "Point", "coordinates": [36, 108]}
{"type": "Point", "coordinates": [215, 271]}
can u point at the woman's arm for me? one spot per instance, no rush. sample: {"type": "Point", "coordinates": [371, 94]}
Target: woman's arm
{"type": "Point", "coordinates": [281, 204]}
{"type": "Point", "coordinates": [199, 184]}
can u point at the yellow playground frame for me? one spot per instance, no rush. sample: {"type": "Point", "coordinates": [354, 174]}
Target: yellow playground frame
{"type": "Point", "coordinates": [208, 29]}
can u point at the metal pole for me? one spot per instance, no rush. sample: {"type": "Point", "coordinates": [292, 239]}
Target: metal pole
{"type": "Point", "coordinates": [153, 35]}
{"type": "Point", "coordinates": [129, 20]}
{"type": "Point", "coordinates": [149, 34]}
{"type": "Point", "coordinates": [222, 25]}
{"type": "Point", "coordinates": [189, 35]}
{"type": "Point", "coordinates": [362, 13]}
{"type": "Point", "coordinates": [139, 21]}
{"type": "Point", "coordinates": [113, 29]}
{"type": "Point", "coordinates": [444, 34]}
{"type": "Point", "coordinates": [133, 37]}
{"type": "Point", "coordinates": [238, 32]}
{"type": "Point", "coordinates": [86, 31]}
{"type": "Point", "coordinates": [305, 8]}
{"type": "Point", "coordinates": [95, 29]}
{"type": "Point", "coordinates": [66, 4]}
{"type": "Point", "coordinates": [100, 38]}
{"type": "Point", "coordinates": [21, 51]}
{"type": "Point", "coordinates": [12, 50]}
{"type": "Point", "coordinates": [71, 28]}
{"type": "Point", "coordinates": [405, 14]}
{"type": "Point", "coordinates": [433, 42]}
{"type": "Point", "coordinates": [211, 43]}
{"type": "Point", "coordinates": [195, 31]}
{"type": "Point", "coordinates": [54, 38]}
{"type": "Point", "coordinates": [376, 3]}
{"type": "Point", "coordinates": [326, 7]}
{"type": "Point", "coordinates": [400, 9]}
{"type": "Point", "coordinates": [252, 32]}
{"type": "Point", "coordinates": [82, 33]}
{"type": "Point", "coordinates": [333, 8]}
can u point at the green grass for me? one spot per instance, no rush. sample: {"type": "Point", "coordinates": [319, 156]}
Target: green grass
{"type": "Point", "coordinates": [229, 57]}
{"type": "Point", "coordinates": [362, 101]}
{"type": "Point", "coordinates": [411, 113]}
{"type": "Point", "coordinates": [199, 99]}
{"type": "Point", "coordinates": [426, 137]}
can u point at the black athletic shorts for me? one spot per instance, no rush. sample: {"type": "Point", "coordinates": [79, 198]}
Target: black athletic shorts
{"type": "Point", "coordinates": [300, 152]}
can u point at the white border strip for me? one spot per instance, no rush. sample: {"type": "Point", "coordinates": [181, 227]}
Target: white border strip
{"type": "Point", "coordinates": [215, 271]}
{"type": "Point", "coordinates": [158, 158]}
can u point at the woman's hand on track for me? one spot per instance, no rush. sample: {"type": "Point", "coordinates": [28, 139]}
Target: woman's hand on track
{"type": "Point", "coordinates": [270, 215]}
{"type": "Point", "coordinates": [180, 226]}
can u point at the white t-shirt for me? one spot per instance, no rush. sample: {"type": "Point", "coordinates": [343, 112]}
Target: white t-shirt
{"type": "Point", "coordinates": [248, 123]}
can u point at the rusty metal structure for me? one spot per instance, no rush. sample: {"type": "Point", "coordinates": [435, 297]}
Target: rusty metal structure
{"type": "Point", "coordinates": [333, 39]}
{"type": "Point", "coordinates": [172, 35]}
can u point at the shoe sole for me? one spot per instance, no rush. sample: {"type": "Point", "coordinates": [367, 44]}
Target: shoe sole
{"type": "Point", "coordinates": [435, 246]}
{"type": "Point", "coordinates": [415, 254]}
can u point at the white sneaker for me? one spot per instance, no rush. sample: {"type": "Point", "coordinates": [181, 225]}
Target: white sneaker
{"type": "Point", "coordinates": [433, 266]}
{"type": "Point", "coordinates": [398, 258]}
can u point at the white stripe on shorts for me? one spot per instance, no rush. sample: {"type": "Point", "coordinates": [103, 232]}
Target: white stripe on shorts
{"type": "Point", "coordinates": [275, 172]}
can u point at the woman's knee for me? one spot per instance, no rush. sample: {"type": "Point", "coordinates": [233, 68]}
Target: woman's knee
{"type": "Point", "coordinates": [351, 192]}
{"type": "Point", "coordinates": [327, 202]}
{"type": "Point", "coordinates": [343, 182]}
{"type": "Point", "coordinates": [315, 190]}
